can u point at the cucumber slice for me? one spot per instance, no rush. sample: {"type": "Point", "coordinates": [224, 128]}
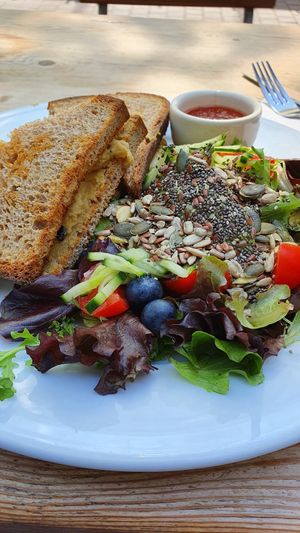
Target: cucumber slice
{"type": "Point", "coordinates": [134, 255]}
{"type": "Point", "coordinates": [153, 268]}
{"type": "Point", "coordinates": [172, 267]}
{"type": "Point", "coordinates": [101, 274]}
{"type": "Point", "coordinates": [104, 293]}
{"type": "Point", "coordinates": [115, 262]}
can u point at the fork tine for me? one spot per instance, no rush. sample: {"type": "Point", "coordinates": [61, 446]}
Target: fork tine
{"type": "Point", "coordinates": [281, 88]}
{"type": "Point", "coordinates": [263, 83]}
{"type": "Point", "coordinates": [276, 91]}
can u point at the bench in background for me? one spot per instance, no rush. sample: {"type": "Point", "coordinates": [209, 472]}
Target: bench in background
{"type": "Point", "coordinates": [248, 5]}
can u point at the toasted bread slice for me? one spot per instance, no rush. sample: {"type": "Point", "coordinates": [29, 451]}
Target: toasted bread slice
{"type": "Point", "coordinates": [154, 111]}
{"type": "Point", "coordinates": [44, 163]}
{"type": "Point", "coordinates": [93, 196]}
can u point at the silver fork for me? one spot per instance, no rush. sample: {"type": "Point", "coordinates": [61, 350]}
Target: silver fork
{"type": "Point", "coordinates": [274, 92]}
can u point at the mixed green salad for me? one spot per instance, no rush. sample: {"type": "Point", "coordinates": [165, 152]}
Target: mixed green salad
{"type": "Point", "coordinates": [201, 270]}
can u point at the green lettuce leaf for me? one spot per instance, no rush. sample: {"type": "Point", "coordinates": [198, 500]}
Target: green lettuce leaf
{"type": "Point", "coordinates": [7, 362]}
{"type": "Point", "coordinates": [281, 209]}
{"type": "Point", "coordinates": [293, 331]}
{"type": "Point", "coordinates": [208, 363]}
{"type": "Point", "coordinates": [210, 275]}
{"type": "Point", "coordinates": [267, 309]}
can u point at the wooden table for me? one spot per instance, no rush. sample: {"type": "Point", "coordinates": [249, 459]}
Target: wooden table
{"type": "Point", "coordinates": [46, 56]}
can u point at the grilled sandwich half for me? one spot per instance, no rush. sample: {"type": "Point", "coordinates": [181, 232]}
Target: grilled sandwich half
{"type": "Point", "coordinates": [153, 109]}
{"type": "Point", "coordinates": [41, 170]}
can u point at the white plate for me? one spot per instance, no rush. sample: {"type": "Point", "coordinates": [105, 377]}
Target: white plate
{"type": "Point", "coordinates": [161, 422]}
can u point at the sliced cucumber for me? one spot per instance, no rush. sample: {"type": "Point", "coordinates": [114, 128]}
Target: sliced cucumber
{"type": "Point", "coordinates": [104, 292]}
{"type": "Point", "coordinates": [101, 273]}
{"type": "Point", "coordinates": [153, 268]}
{"type": "Point", "coordinates": [172, 267]}
{"type": "Point", "coordinates": [134, 254]}
{"type": "Point", "coordinates": [115, 262]}
{"type": "Point", "coordinates": [158, 161]}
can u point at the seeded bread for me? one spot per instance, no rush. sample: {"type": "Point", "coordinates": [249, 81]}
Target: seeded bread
{"type": "Point", "coordinates": [154, 111]}
{"type": "Point", "coordinates": [41, 170]}
{"type": "Point", "coordinates": [93, 196]}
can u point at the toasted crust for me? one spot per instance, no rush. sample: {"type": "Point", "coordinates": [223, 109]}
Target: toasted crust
{"type": "Point", "coordinates": [44, 164]}
{"type": "Point", "coordinates": [93, 196]}
{"type": "Point", "coordinates": [154, 111]}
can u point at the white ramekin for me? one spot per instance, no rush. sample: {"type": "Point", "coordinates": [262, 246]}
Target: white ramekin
{"type": "Point", "coordinates": [190, 129]}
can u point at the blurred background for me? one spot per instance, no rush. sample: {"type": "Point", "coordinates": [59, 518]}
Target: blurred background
{"type": "Point", "coordinates": [284, 12]}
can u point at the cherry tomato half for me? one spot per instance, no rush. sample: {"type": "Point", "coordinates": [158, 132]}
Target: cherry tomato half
{"type": "Point", "coordinates": [181, 285]}
{"type": "Point", "coordinates": [287, 268]}
{"type": "Point", "coordinates": [115, 304]}
{"type": "Point", "coordinates": [226, 285]}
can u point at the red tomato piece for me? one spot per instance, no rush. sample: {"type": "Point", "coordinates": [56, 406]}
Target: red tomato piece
{"type": "Point", "coordinates": [287, 268]}
{"type": "Point", "coordinates": [226, 285]}
{"type": "Point", "coordinates": [181, 285]}
{"type": "Point", "coordinates": [115, 304]}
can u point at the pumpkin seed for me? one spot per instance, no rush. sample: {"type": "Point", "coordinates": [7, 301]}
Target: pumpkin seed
{"type": "Point", "coordinates": [123, 229]}
{"type": "Point", "coordinates": [123, 213]}
{"type": "Point", "coordinates": [262, 238]}
{"type": "Point", "coordinates": [140, 228]}
{"type": "Point", "coordinates": [253, 191]}
{"type": "Point", "coordinates": [181, 160]}
{"type": "Point", "coordinates": [160, 210]}
{"type": "Point", "coordinates": [252, 213]}
{"type": "Point", "coordinates": [264, 282]}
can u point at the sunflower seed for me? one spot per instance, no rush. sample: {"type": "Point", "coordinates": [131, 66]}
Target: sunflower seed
{"type": "Point", "coordinates": [254, 270]}
{"type": "Point", "coordinates": [216, 253]}
{"type": "Point", "coordinates": [203, 243]}
{"type": "Point", "coordinates": [230, 255]}
{"type": "Point", "coordinates": [165, 218]}
{"type": "Point", "coordinates": [147, 199]}
{"type": "Point", "coordinates": [267, 228]}
{"type": "Point", "coordinates": [161, 224]}
{"type": "Point", "coordinates": [268, 198]}
{"type": "Point", "coordinates": [191, 260]}
{"type": "Point", "coordinates": [188, 227]}
{"type": "Point", "coordinates": [201, 232]}
{"type": "Point", "coordinates": [160, 232]}
{"type": "Point", "coordinates": [104, 233]}
{"type": "Point", "coordinates": [193, 251]}
{"type": "Point", "coordinates": [169, 231]}
{"type": "Point", "coordinates": [235, 268]}
{"type": "Point", "coordinates": [190, 240]}
{"type": "Point", "coordinates": [269, 263]}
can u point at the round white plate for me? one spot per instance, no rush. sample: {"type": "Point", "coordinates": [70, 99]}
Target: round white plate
{"type": "Point", "coordinates": [161, 422]}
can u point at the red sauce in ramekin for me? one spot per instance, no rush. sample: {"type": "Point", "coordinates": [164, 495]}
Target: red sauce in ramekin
{"type": "Point", "coordinates": [216, 112]}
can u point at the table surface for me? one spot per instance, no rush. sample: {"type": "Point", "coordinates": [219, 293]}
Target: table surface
{"type": "Point", "coordinates": [46, 56]}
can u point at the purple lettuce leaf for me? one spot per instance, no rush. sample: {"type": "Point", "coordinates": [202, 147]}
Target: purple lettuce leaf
{"type": "Point", "coordinates": [123, 344]}
{"type": "Point", "coordinates": [212, 317]}
{"type": "Point", "coordinates": [36, 305]}
{"type": "Point", "coordinates": [99, 245]}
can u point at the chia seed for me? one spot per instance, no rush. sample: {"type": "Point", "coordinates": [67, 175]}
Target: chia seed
{"type": "Point", "coordinates": [218, 204]}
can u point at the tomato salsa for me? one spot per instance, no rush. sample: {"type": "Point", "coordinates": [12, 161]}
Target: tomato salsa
{"type": "Point", "coordinates": [215, 112]}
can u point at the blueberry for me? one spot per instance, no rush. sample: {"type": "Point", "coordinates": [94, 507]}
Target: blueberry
{"type": "Point", "coordinates": [142, 290]}
{"type": "Point", "coordinates": [155, 313]}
